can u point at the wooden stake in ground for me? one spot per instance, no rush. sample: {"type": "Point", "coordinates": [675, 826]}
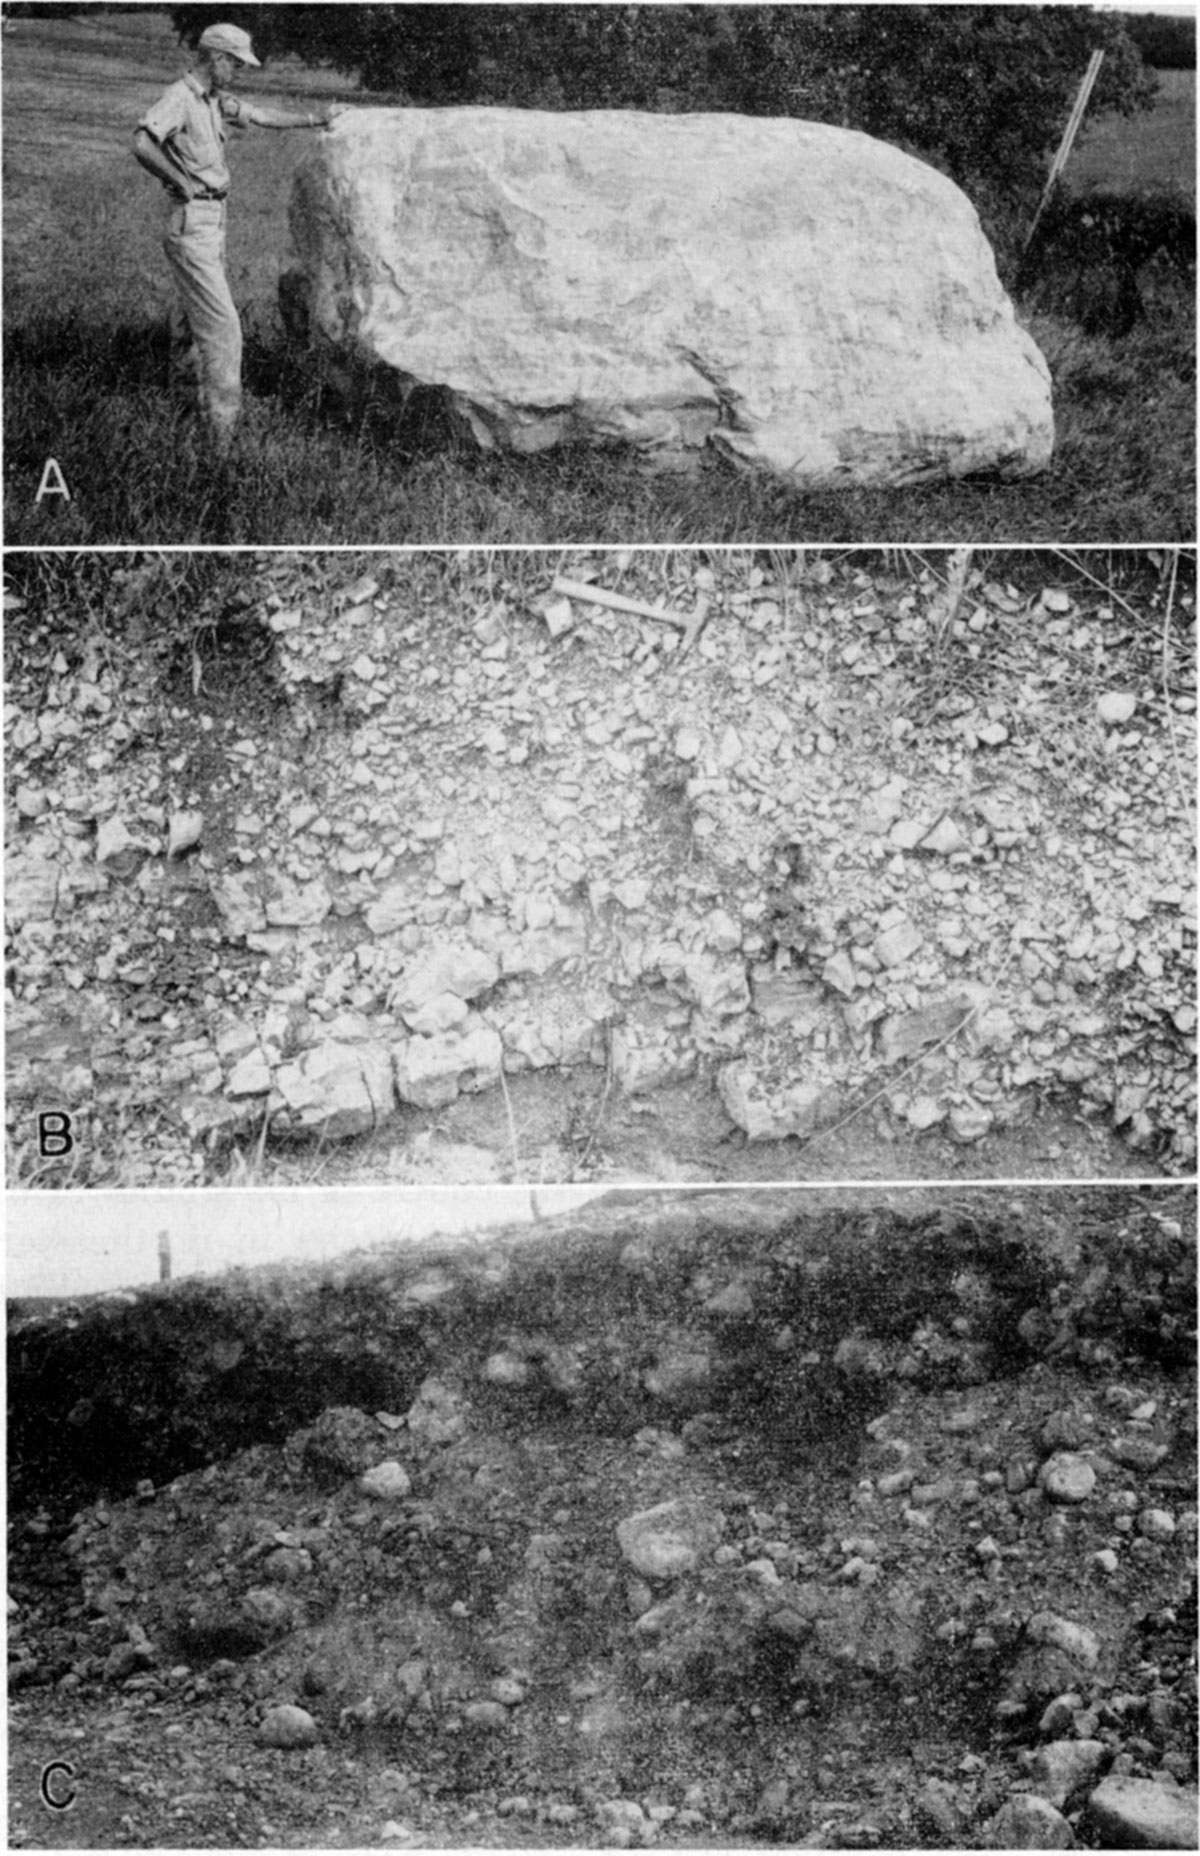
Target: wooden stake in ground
{"type": "Point", "coordinates": [1064, 148]}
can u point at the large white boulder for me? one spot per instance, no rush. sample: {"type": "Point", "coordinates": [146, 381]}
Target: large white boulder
{"type": "Point", "coordinates": [806, 298]}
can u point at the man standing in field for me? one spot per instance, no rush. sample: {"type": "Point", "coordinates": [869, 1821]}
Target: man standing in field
{"type": "Point", "coordinates": [181, 141]}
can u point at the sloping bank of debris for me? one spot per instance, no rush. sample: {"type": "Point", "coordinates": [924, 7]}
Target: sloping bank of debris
{"type": "Point", "coordinates": [689, 1517]}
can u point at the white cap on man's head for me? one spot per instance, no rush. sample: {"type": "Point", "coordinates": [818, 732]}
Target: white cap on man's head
{"type": "Point", "coordinates": [229, 39]}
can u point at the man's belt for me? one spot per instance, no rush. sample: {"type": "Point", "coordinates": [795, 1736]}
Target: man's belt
{"type": "Point", "coordinates": [206, 193]}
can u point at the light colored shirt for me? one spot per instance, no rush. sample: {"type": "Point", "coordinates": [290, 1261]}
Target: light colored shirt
{"type": "Point", "coordinates": [189, 125]}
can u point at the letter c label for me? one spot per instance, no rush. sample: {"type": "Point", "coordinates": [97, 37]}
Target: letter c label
{"type": "Point", "coordinates": [59, 1797]}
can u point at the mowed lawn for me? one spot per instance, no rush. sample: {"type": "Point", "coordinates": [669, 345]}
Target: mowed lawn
{"type": "Point", "coordinates": [1155, 150]}
{"type": "Point", "coordinates": [87, 292]}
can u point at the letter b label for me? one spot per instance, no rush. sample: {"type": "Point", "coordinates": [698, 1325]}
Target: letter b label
{"type": "Point", "coordinates": [54, 1135]}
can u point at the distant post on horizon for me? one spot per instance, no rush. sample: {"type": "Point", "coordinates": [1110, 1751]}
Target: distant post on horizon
{"type": "Point", "coordinates": [164, 1256]}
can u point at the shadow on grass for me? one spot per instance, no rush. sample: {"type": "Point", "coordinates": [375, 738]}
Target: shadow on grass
{"type": "Point", "coordinates": [72, 343]}
{"type": "Point", "coordinates": [405, 426]}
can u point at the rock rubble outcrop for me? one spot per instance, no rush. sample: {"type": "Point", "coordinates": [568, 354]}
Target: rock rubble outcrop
{"type": "Point", "coordinates": [807, 866]}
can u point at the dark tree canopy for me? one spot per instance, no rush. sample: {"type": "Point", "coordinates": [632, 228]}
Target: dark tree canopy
{"type": "Point", "coordinates": [982, 91]}
{"type": "Point", "coordinates": [1166, 40]}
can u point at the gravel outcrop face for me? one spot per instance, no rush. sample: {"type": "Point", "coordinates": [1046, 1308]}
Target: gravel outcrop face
{"type": "Point", "coordinates": [686, 1518]}
{"type": "Point", "coordinates": [825, 844]}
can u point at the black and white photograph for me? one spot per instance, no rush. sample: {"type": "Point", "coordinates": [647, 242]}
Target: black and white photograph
{"type": "Point", "coordinates": [544, 274]}
{"type": "Point", "coordinates": [600, 1017]}
{"type": "Point", "coordinates": [681, 1519]}
{"type": "Point", "coordinates": [600, 866]}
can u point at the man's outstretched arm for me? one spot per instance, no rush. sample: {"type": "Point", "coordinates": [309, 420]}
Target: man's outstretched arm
{"type": "Point", "coordinates": [266, 117]}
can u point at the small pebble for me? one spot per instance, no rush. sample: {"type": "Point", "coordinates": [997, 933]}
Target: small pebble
{"type": "Point", "coordinates": [486, 1716]}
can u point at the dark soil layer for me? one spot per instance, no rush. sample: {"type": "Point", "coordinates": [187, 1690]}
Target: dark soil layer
{"type": "Point", "coordinates": [865, 1609]}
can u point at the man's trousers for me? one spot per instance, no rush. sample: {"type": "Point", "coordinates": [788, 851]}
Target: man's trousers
{"type": "Point", "coordinates": [206, 335]}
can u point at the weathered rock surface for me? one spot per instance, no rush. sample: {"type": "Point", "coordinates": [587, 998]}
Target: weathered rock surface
{"type": "Point", "coordinates": [667, 1541]}
{"type": "Point", "coordinates": [288, 1726]}
{"type": "Point", "coordinates": [387, 1482]}
{"type": "Point", "coordinates": [1142, 1814]}
{"type": "Point", "coordinates": [1029, 1823]}
{"type": "Point", "coordinates": [31, 887]}
{"type": "Point", "coordinates": [432, 1071]}
{"type": "Point", "coordinates": [1065, 1766]}
{"type": "Point", "coordinates": [766, 1114]}
{"type": "Point", "coordinates": [807, 299]}
{"type": "Point", "coordinates": [342, 1089]}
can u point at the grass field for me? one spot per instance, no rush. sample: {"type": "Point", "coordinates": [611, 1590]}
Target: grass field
{"type": "Point", "coordinates": [86, 296]}
{"type": "Point", "coordinates": [1155, 150]}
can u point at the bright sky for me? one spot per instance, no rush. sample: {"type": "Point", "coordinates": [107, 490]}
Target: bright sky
{"type": "Point", "coordinates": [59, 1243]}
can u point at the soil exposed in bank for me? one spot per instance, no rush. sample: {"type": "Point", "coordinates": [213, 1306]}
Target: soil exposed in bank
{"type": "Point", "coordinates": [687, 1518]}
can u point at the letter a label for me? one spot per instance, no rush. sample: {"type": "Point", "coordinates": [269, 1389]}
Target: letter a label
{"type": "Point", "coordinates": [53, 482]}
